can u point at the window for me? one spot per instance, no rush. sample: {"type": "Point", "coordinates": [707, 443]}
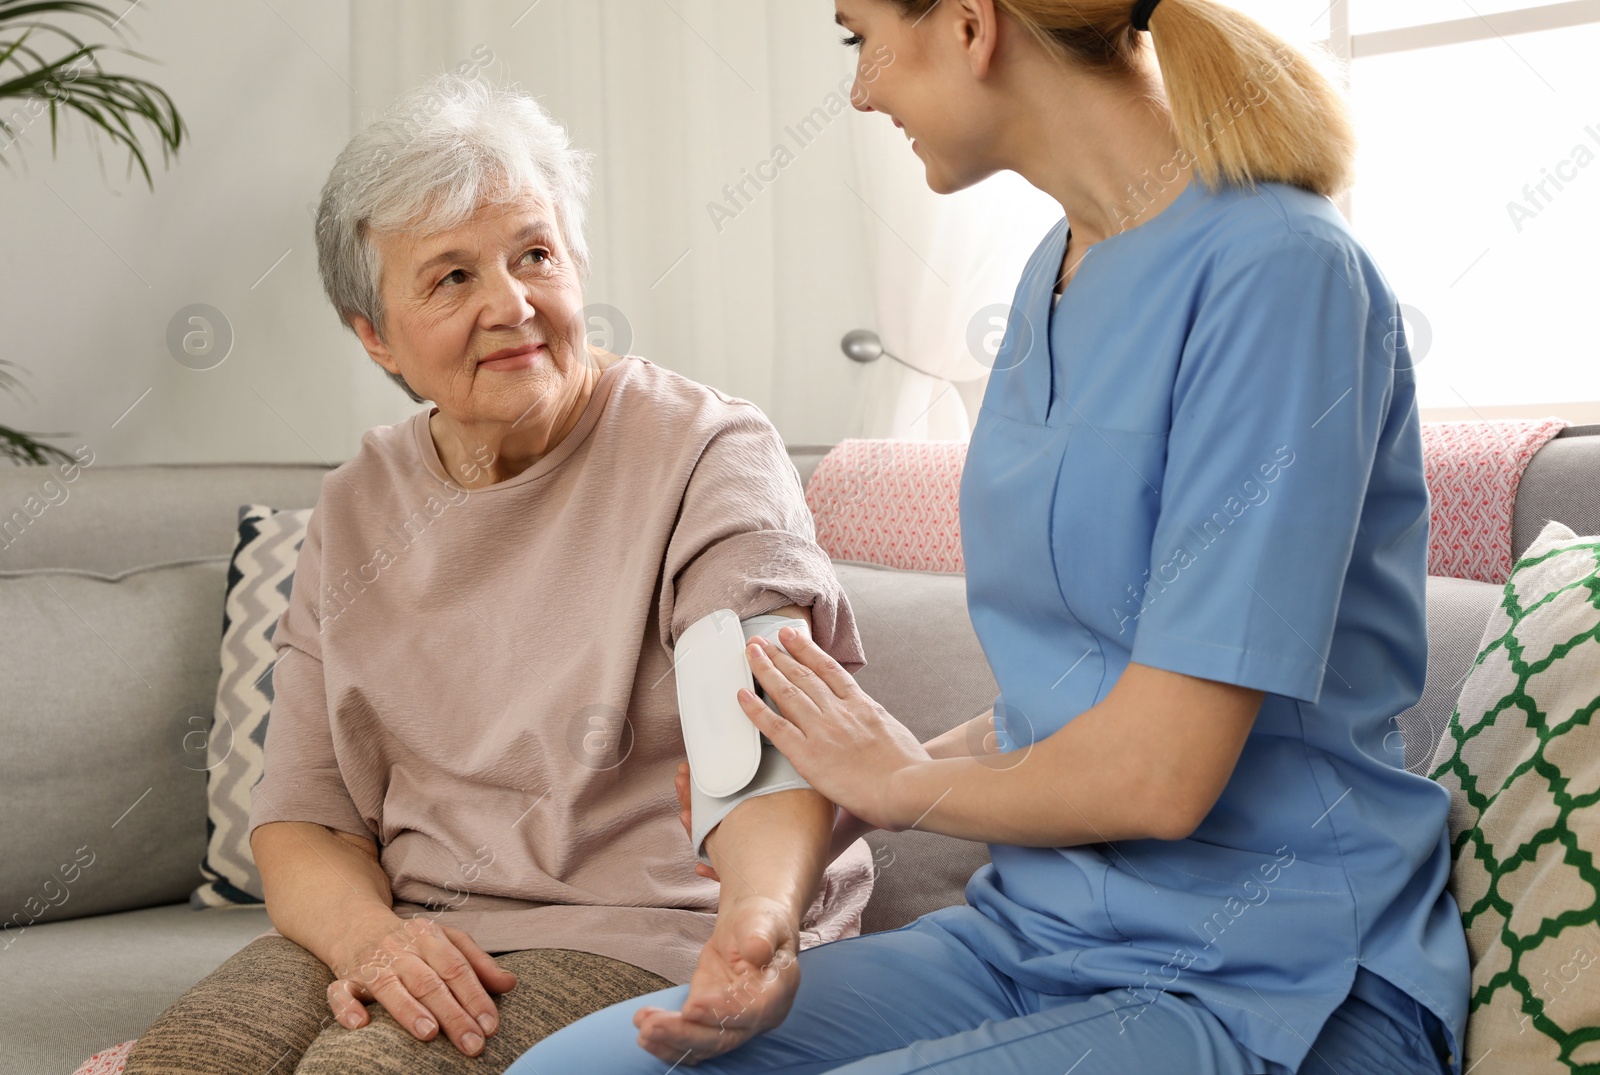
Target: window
{"type": "Point", "coordinates": [1478, 187]}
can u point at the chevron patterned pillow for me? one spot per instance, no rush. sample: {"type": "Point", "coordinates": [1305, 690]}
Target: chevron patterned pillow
{"type": "Point", "coordinates": [259, 581]}
{"type": "Point", "coordinates": [1522, 762]}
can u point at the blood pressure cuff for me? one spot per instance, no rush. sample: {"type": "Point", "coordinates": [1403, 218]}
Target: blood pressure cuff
{"type": "Point", "coordinates": [730, 761]}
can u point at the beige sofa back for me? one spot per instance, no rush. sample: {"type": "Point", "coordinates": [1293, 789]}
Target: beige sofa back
{"type": "Point", "coordinates": [108, 686]}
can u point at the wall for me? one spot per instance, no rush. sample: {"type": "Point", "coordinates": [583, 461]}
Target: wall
{"type": "Point", "coordinates": [676, 99]}
{"type": "Point", "coordinates": [95, 266]}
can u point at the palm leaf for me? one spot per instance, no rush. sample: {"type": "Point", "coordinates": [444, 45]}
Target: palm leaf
{"type": "Point", "coordinates": [19, 447]}
{"type": "Point", "coordinates": [117, 106]}
{"type": "Point", "coordinates": [9, 381]}
{"type": "Point", "coordinates": [23, 450]}
{"type": "Point", "coordinates": [111, 103]}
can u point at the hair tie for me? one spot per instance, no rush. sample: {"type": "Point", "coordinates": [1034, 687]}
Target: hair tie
{"type": "Point", "coordinates": [1141, 14]}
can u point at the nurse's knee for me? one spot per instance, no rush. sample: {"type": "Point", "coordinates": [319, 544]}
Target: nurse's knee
{"type": "Point", "coordinates": [605, 1041]}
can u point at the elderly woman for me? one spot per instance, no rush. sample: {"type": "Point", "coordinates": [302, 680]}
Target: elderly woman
{"type": "Point", "coordinates": [475, 728]}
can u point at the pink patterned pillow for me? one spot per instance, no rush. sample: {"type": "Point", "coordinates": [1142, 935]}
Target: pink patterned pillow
{"type": "Point", "coordinates": [895, 503]}
{"type": "Point", "coordinates": [107, 1061]}
{"type": "Point", "coordinates": [1473, 469]}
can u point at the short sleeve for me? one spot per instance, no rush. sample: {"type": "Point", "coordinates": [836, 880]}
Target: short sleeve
{"type": "Point", "coordinates": [300, 778]}
{"type": "Point", "coordinates": [744, 540]}
{"type": "Point", "coordinates": [1278, 406]}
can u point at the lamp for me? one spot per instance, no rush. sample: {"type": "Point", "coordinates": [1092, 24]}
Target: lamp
{"type": "Point", "coordinates": [864, 346]}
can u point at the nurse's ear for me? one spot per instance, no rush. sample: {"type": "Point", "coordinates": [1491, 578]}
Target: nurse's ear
{"type": "Point", "coordinates": [978, 25]}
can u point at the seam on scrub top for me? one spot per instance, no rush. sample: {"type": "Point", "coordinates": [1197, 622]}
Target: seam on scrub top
{"type": "Point", "coordinates": [998, 416]}
{"type": "Point", "coordinates": [1421, 992]}
{"type": "Point", "coordinates": [1081, 424]}
{"type": "Point", "coordinates": [1055, 573]}
{"type": "Point", "coordinates": [1247, 1010]}
{"type": "Point", "coordinates": [1275, 887]}
{"type": "Point", "coordinates": [1277, 658]}
{"type": "Point", "coordinates": [1305, 750]}
{"type": "Point", "coordinates": [1310, 238]}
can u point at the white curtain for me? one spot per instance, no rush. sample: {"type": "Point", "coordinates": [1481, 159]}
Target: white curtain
{"type": "Point", "coordinates": [945, 270]}
{"type": "Point", "coordinates": [745, 217]}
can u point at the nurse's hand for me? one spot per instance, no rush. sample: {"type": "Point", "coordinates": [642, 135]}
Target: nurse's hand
{"type": "Point", "coordinates": [846, 745]}
{"type": "Point", "coordinates": [744, 984]}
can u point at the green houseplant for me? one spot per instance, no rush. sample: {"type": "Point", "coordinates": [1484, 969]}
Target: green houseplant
{"type": "Point", "coordinates": [69, 79]}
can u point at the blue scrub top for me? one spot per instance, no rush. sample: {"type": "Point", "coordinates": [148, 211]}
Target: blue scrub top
{"type": "Point", "coordinates": [1207, 459]}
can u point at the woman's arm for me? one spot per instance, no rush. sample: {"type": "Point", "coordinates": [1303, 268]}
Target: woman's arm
{"type": "Point", "coordinates": [774, 846]}
{"type": "Point", "coordinates": [322, 887]}
{"type": "Point", "coordinates": [974, 738]}
{"type": "Point", "coordinates": [326, 891]}
{"type": "Point", "coordinates": [773, 849]}
{"type": "Point", "coordinates": [769, 854]}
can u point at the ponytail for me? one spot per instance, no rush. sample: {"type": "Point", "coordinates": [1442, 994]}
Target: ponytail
{"type": "Point", "coordinates": [1246, 106]}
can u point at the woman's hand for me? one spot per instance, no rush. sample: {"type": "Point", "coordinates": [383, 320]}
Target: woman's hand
{"type": "Point", "coordinates": [847, 828]}
{"type": "Point", "coordinates": [680, 784]}
{"type": "Point", "coordinates": [744, 984]}
{"type": "Point", "coordinates": [845, 744]}
{"type": "Point", "coordinates": [427, 976]}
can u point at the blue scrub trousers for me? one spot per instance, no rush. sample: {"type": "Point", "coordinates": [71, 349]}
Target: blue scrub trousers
{"type": "Point", "coordinates": [917, 1000]}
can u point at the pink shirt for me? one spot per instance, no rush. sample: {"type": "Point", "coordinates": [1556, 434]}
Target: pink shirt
{"type": "Point", "coordinates": [481, 681]}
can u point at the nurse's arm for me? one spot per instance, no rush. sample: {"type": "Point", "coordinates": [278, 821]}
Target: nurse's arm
{"type": "Point", "coordinates": [973, 739]}
{"type": "Point", "coordinates": [1148, 762]}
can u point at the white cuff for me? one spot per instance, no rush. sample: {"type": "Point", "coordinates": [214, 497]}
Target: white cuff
{"type": "Point", "coordinates": [706, 813]}
{"type": "Point", "coordinates": [774, 772]}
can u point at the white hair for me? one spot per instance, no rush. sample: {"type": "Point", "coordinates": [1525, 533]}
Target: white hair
{"type": "Point", "coordinates": [439, 153]}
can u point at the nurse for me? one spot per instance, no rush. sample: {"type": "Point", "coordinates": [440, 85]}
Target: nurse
{"type": "Point", "coordinates": [1195, 529]}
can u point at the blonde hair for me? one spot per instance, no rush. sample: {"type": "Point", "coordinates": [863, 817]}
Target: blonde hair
{"type": "Point", "coordinates": [1246, 106]}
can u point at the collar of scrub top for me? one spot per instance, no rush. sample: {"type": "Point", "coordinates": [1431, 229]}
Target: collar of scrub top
{"type": "Point", "coordinates": [1029, 391]}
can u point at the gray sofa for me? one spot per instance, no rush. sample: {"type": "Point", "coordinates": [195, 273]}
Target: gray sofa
{"type": "Point", "coordinates": [108, 688]}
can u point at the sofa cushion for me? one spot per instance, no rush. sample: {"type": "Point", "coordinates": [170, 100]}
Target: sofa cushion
{"type": "Point", "coordinates": [117, 972]}
{"type": "Point", "coordinates": [1522, 763]}
{"type": "Point", "coordinates": [260, 578]}
{"type": "Point", "coordinates": [1560, 485]}
{"type": "Point", "coordinates": [925, 666]}
{"type": "Point", "coordinates": [158, 513]}
{"type": "Point", "coordinates": [1457, 611]}
{"type": "Point", "coordinates": [101, 785]}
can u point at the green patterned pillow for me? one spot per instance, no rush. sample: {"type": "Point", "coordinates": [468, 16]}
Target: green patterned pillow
{"type": "Point", "coordinates": [1522, 762]}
